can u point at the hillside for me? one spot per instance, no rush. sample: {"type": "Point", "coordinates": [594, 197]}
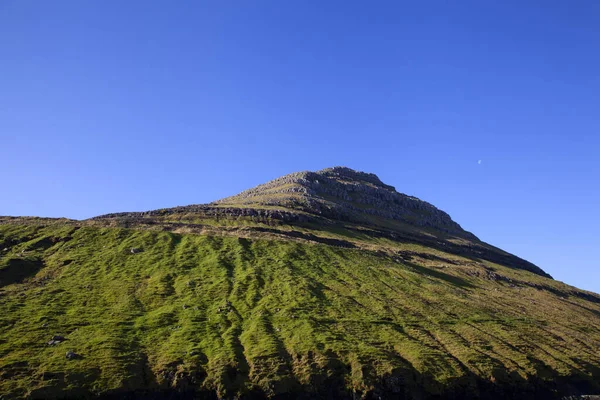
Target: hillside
{"type": "Point", "coordinates": [322, 284]}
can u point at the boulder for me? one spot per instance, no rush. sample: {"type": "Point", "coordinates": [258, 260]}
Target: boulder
{"type": "Point", "coordinates": [71, 355]}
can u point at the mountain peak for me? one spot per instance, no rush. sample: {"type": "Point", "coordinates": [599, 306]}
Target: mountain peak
{"type": "Point", "coordinates": [341, 193]}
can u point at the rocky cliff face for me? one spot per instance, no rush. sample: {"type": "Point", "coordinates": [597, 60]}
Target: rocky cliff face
{"type": "Point", "coordinates": [344, 194]}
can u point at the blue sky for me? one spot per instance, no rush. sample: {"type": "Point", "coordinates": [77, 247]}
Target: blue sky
{"type": "Point", "coordinates": [112, 106]}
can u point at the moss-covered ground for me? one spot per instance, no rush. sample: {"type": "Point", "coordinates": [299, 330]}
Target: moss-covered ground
{"type": "Point", "coordinates": [223, 316]}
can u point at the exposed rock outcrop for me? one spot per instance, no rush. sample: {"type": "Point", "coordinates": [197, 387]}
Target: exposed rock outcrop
{"type": "Point", "coordinates": [342, 193]}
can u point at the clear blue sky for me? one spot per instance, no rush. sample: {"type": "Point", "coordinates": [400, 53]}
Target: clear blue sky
{"type": "Point", "coordinates": [112, 106]}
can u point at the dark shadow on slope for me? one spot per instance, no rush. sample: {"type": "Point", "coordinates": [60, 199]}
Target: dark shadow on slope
{"type": "Point", "coordinates": [591, 297]}
{"type": "Point", "coordinates": [43, 243]}
{"type": "Point", "coordinates": [286, 381]}
{"type": "Point", "coordinates": [307, 236]}
{"type": "Point", "coordinates": [403, 382]}
{"type": "Point", "coordinates": [329, 381]}
{"type": "Point", "coordinates": [235, 378]}
{"type": "Point", "coordinates": [174, 240]}
{"type": "Point", "coordinates": [595, 312]}
{"type": "Point", "coordinates": [454, 280]}
{"type": "Point", "coordinates": [245, 244]}
{"type": "Point", "coordinates": [408, 255]}
{"type": "Point", "coordinates": [471, 386]}
{"type": "Point", "coordinates": [474, 251]}
{"type": "Point", "coordinates": [16, 270]}
{"type": "Point", "coordinates": [566, 293]}
{"type": "Point", "coordinates": [589, 368]}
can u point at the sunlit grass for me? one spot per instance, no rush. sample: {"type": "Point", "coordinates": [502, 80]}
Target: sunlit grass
{"type": "Point", "coordinates": [233, 315]}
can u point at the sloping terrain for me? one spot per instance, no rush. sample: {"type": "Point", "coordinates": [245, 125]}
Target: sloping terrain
{"type": "Point", "coordinates": [269, 294]}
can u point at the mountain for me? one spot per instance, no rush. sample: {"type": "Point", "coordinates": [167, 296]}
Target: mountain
{"type": "Point", "coordinates": [326, 284]}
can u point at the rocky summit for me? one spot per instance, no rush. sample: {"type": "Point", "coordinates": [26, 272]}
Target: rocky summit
{"type": "Point", "coordinates": [341, 193]}
{"type": "Point", "coordinates": [327, 284]}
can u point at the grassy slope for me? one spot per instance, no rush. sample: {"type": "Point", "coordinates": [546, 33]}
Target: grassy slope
{"type": "Point", "coordinates": [235, 316]}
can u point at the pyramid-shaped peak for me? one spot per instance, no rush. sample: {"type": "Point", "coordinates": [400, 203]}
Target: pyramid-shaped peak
{"type": "Point", "coordinates": [311, 184]}
{"type": "Point", "coordinates": [341, 193]}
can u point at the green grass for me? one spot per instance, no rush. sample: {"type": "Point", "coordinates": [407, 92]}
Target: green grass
{"type": "Point", "coordinates": [235, 316]}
